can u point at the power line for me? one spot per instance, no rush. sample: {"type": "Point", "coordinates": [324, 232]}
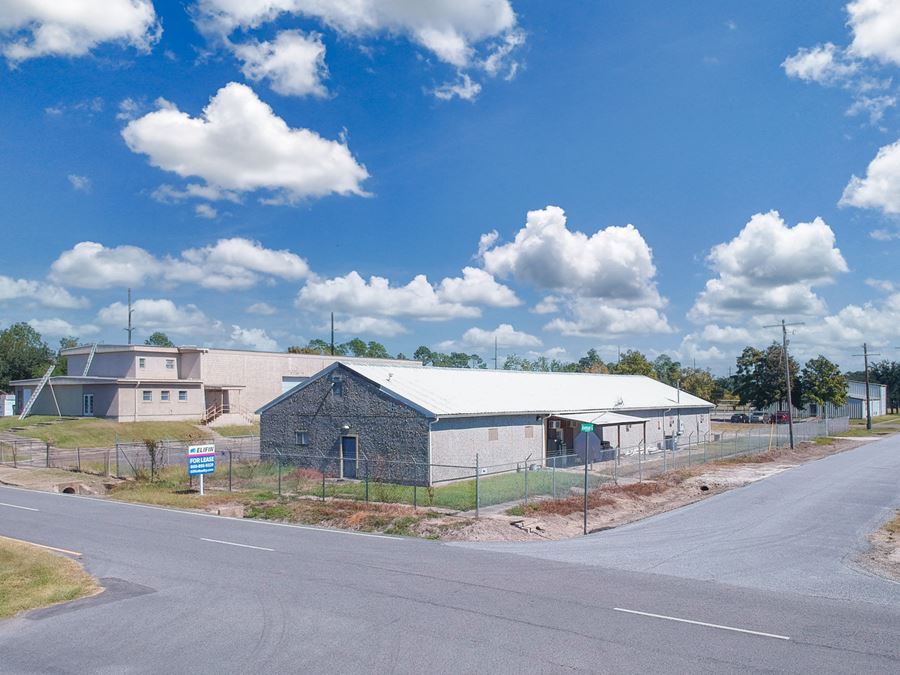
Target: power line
{"type": "Point", "coordinates": [787, 373]}
{"type": "Point", "coordinates": [866, 356]}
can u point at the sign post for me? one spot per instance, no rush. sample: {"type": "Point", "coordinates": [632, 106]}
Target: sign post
{"type": "Point", "coordinates": [201, 461]}
{"type": "Point", "coordinates": [586, 428]}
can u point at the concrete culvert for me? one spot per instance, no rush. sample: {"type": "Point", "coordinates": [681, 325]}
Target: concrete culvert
{"type": "Point", "coordinates": [69, 490]}
{"type": "Point", "coordinates": [704, 488]}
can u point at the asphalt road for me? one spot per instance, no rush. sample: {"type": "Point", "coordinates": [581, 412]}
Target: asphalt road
{"type": "Point", "coordinates": [203, 594]}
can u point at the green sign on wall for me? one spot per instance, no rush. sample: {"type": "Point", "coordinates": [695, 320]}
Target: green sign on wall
{"type": "Point", "coordinates": [586, 427]}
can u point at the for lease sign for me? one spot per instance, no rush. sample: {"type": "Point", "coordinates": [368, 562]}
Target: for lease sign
{"type": "Point", "coordinates": [201, 459]}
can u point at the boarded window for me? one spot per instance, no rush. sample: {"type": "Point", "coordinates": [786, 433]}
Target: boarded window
{"type": "Point", "coordinates": [301, 437]}
{"type": "Point", "coordinates": [529, 432]}
{"type": "Point", "coordinates": [493, 434]}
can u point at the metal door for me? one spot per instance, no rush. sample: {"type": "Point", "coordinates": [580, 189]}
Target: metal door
{"type": "Point", "coordinates": [348, 456]}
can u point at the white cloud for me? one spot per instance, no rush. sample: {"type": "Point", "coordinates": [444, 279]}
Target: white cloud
{"type": "Point", "coordinates": [167, 194]}
{"type": "Point", "coordinates": [151, 315]}
{"type": "Point", "coordinates": [368, 325]}
{"type": "Point", "coordinates": [592, 318]}
{"type": "Point", "coordinates": [464, 88]}
{"type": "Point", "coordinates": [450, 29]}
{"type": "Point", "coordinates": [477, 287]}
{"type": "Point", "coordinates": [262, 308]}
{"type": "Point", "coordinates": [486, 241]}
{"type": "Point", "coordinates": [825, 64]}
{"type": "Point", "coordinates": [239, 145]}
{"type": "Point", "coordinates": [880, 189]}
{"type": "Point", "coordinates": [80, 183]}
{"type": "Point", "coordinates": [884, 235]}
{"type": "Point", "coordinates": [354, 295]}
{"type": "Point", "coordinates": [62, 328]}
{"type": "Point", "coordinates": [876, 29]}
{"type": "Point", "coordinates": [205, 211]}
{"type": "Point", "coordinates": [47, 295]}
{"type": "Point", "coordinates": [228, 264]}
{"type": "Point", "coordinates": [128, 109]}
{"type": "Point", "coordinates": [614, 264]}
{"type": "Point", "coordinates": [882, 285]}
{"type": "Point", "coordinates": [547, 305]}
{"type": "Point", "coordinates": [770, 267]}
{"type": "Point", "coordinates": [505, 335]}
{"type": "Point", "coordinates": [293, 63]}
{"type": "Point", "coordinates": [34, 28]}
{"type": "Point", "coordinates": [253, 338]}
{"type": "Point", "coordinates": [873, 106]}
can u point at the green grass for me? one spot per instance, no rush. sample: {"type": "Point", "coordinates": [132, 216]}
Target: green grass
{"type": "Point", "coordinates": [238, 430]}
{"type": "Point", "coordinates": [853, 433]}
{"type": "Point", "coordinates": [99, 433]}
{"type": "Point", "coordinates": [31, 577]}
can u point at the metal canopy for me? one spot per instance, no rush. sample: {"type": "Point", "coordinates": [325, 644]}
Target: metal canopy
{"type": "Point", "coordinates": [601, 419]}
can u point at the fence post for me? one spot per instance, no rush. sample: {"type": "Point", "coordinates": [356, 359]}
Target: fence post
{"type": "Point", "coordinates": [477, 488]}
{"type": "Point", "coordinates": [230, 472]}
{"type": "Point", "coordinates": [323, 481]}
{"type": "Point", "coordinates": [367, 480]}
{"type": "Point", "coordinates": [553, 478]}
{"type": "Point", "coordinates": [48, 454]}
{"type": "Point", "coordinates": [78, 458]}
{"type": "Point", "coordinates": [118, 475]}
{"type": "Point", "coordinates": [279, 475]}
{"type": "Point", "coordinates": [107, 462]}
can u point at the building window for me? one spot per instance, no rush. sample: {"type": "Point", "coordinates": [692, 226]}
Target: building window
{"type": "Point", "coordinates": [147, 395]}
{"type": "Point", "coordinates": [337, 387]}
{"type": "Point", "coordinates": [164, 395]}
{"type": "Point", "coordinates": [182, 395]}
{"type": "Point", "coordinates": [529, 432]}
{"type": "Point", "coordinates": [493, 434]}
{"type": "Point", "coordinates": [301, 437]}
{"type": "Point", "coordinates": [170, 364]}
{"type": "Point", "coordinates": [142, 362]}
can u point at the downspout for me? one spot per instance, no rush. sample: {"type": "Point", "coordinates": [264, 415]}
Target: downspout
{"type": "Point", "coordinates": [430, 470]}
{"type": "Point", "coordinates": [136, 385]}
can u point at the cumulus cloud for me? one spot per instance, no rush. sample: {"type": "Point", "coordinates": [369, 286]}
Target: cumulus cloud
{"type": "Point", "coordinates": [880, 188]}
{"type": "Point", "coordinates": [368, 325]}
{"type": "Point", "coordinates": [206, 211]}
{"type": "Point", "coordinates": [352, 294]}
{"type": "Point", "coordinates": [234, 263]}
{"type": "Point", "coordinates": [547, 305]}
{"type": "Point", "coordinates": [35, 28]}
{"type": "Point", "coordinates": [293, 63]}
{"type": "Point", "coordinates": [464, 88]}
{"type": "Point", "coordinates": [477, 287]}
{"type": "Point", "coordinates": [505, 336]}
{"type": "Point", "coordinates": [770, 267]}
{"type": "Point", "coordinates": [825, 64]}
{"type": "Point", "coordinates": [80, 183]}
{"type": "Point", "coordinates": [876, 29]}
{"type": "Point", "coordinates": [262, 308]}
{"type": "Point", "coordinates": [592, 318]}
{"type": "Point", "coordinates": [47, 295]}
{"type": "Point", "coordinates": [61, 328]}
{"type": "Point", "coordinates": [615, 263]}
{"type": "Point", "coordinates": [151, 315]}
{"type": "Point", "coordinates": [239, 145]}
{"type": "Point", "coordinates": [450, 29]}
{"type": "Point", "coordinates": [252, 338]}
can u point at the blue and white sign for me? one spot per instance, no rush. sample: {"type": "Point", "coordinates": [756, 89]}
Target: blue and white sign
{"type": "Point", "coordinates": [201, 459]}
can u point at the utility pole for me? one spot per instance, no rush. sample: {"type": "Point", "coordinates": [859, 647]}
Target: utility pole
{"type": "Point", "coordinates": [787, 373]}
{"type": "Point", "coordinates": [130, 329]}
{"type": "Point", "coordinates": [866, 356]}
{"type": "Point", "coordinates": [332, 333]}
{"type": "Point", "coordinates": [495, 352]}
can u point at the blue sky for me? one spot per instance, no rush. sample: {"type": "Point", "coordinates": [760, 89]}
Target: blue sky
{"type": "Point", "coordinates": [248, 167]}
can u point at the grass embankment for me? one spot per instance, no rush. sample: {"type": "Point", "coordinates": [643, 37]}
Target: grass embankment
{"type": "Point", "coordinates": [98, 433]}
{"type": "Point", "coordinates": [893, 526]}
{"type": "Point", "coordinates": [31, 577]}
{"type": "Point", "coordinates": [235, 430]}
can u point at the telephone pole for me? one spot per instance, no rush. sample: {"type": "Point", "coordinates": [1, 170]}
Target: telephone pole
{"type": "Point", "coordinates": [332, 333]}
{"type": "Point", "coordinates": [130, 329]}
{"type": "Point", "coordinates": [866, 356]}
{"type": "Point", "coordinates": [787, 373]}
{"type": "Point", "coordinates": [495, 352]}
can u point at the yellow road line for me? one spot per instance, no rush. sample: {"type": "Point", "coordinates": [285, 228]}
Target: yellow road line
{"type": "Point", "coordinates": [49, 548]}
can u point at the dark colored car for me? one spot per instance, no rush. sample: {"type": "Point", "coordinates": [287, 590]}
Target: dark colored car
{"type": "Point", "coordinates": [760, 418]}
{"type": "Point", "coordinates": [740, 418]}
{"type": "Point", "coordinates": [780, 417]}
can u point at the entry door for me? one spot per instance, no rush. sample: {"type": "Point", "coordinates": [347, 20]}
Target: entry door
{"type": "Point", "coordinates": [348, 456]}
{"type": "Point", "coordinates": [87, 405]}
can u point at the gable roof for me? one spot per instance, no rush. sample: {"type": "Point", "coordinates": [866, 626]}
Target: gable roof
{"type": "Point", "coordinates": [468, 392]}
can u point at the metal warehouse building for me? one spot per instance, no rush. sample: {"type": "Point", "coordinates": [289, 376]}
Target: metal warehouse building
{"type": "Point", "coordinates": [443, 417]}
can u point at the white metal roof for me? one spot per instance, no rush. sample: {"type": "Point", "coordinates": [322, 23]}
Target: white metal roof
{"type": "Point", "coordinates": [601, 419]}
{"type": "Point", "coordinates": [468, 391]}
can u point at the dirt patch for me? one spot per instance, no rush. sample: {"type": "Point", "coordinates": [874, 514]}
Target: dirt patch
{"type": "Point", "coordinates": [883, 558]}
{"type": "Point", "coordinates": [57, 480]}
{"type": "Point", "coordinates": [615, 505]}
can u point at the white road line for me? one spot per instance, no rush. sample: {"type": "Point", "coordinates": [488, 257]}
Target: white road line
{"type": "Point", "coordinates": [14, 506]}
{"type": "Point", "coordinates": [253, 521]}
{"type": "Point", "coordinates": [49, 548]}
{"type": "Point", "coordinates": [703, 623]}
{"type": "Point", "coordinates": [231, 543]}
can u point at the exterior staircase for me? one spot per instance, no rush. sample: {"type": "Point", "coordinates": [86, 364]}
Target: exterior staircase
{"type": "Point", "coordinates": [226, 414]}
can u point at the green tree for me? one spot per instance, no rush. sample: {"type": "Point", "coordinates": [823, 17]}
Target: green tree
{"type": "Point", "coordinates": [699, 383]}
{"type": "Point", "coordinates": [888, 372]}
{"type": "Point", "coordinates": [592, 363]}
{"type": "Point", "coordinates": [667, 369]}
{"type": "Point", "coordinates": [451, 360]}
{"type": "Point", "coordinates": [159, 339]}
{"type": "Point", "coordinates": [23, 354]}
{"type": "Point", "coordinates": [62, 362]}
{"type": "Point", "coordinates": [318, 346]}
{"type": "Point", "coordinates": [760, 377]}
{"type": "Point", "coordinates": [822, 382]}
{"type": "Point", "coordinates": [633, 362]}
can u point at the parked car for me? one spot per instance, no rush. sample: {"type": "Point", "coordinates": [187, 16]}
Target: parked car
{"type": "Point", "coordinates": [760, 417]}
{"type": "Point", "coordinates": [781, 417]}
{"type": "Point", "coordinates": [740, 418]}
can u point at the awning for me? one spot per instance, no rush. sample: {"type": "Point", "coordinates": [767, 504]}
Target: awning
{"type": "Point", "coordinates": [601, 419]}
